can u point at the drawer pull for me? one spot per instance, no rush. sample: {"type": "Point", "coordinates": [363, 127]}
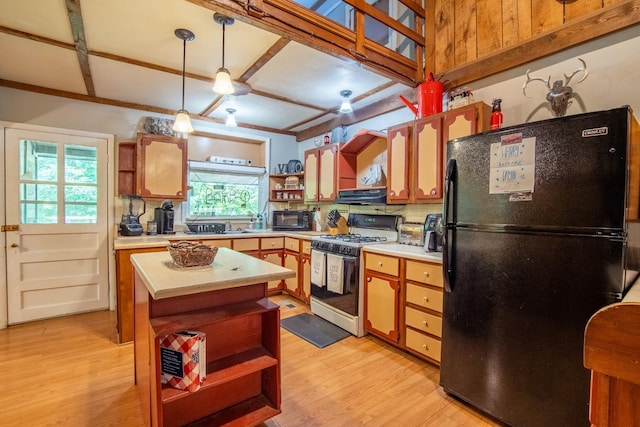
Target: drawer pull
{"type": "Point", "coordinates": [426, 299]}
{"type": "Point", "coordinates": [426, 347]}
{"type": "Point", "coordinates": [424, 322]}
{"type": "Point", "coordinates": [426, 274]}
{"type": "Point", "coordinates": [379, 263]}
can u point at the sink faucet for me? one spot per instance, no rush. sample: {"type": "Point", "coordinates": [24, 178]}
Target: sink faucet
{"type": "Point", "coordinates": [227, 226]}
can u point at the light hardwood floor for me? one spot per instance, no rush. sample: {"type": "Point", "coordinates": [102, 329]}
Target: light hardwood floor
{"type": "Point", "coordinates": [70, 371]}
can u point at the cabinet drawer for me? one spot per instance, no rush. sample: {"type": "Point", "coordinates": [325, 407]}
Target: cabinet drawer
{"type": "Point", "coordinates": [267, 243]}
{"type": "Point", "coordinates": [424, 297]}
{"type": "Point", "coordinates": [219, 243]}
{"type": "Point", "coordinates": [424, 272]}
{"type": "Point", "coordinates": [424, 321]}
{"type": "Point", "coordinates": [246, 244]}
{"type": "Point", "coordinates": [424, 344]}
{"type": "Point", "coordinates": [382, 264]}
{"type": "Point", "coordinates": [306, 247]}
{"type": "Point", "coordinates": [292, 244]}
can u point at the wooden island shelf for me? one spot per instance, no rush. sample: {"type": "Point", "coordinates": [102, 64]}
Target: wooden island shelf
{"type": "Point", "coordinates": [230, 306]}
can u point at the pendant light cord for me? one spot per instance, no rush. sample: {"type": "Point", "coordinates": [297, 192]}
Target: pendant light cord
{"type": "Point", "coordinates": [223, 28]}
{"type": "Point", "coordinates": [184, 60]}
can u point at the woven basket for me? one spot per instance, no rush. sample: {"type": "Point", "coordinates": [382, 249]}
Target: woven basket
{"type": "Point", "coordinates": [189, 254]}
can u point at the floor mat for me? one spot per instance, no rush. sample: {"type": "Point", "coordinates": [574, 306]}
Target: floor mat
{"type": "Point", "coordinates": [314, 329]}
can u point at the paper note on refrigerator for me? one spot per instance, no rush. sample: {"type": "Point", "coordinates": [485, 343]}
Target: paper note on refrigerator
{"type": "Point", "coordinates": [513, 165]}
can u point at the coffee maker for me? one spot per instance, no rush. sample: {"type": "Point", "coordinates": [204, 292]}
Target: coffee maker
{"type": "Point", "coordinates": [164, 217]}
{"type": "Point", "coordinates": [433, 233]}
{"type": "Point", "coordinates": [130, 221]}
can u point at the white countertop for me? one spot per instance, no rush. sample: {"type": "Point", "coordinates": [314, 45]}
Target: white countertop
{"type": "Point", "coordinates": [229, 269]}
{"type": "Point", "coordinates": [404, 251]}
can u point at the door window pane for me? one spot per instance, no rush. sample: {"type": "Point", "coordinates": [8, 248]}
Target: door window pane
{"type": "Point", "coordinates": [41, 166]}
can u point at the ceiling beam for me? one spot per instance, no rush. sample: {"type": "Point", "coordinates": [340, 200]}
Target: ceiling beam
{"type": "Point", "coordinates": [80, 41]}
{"type": "Point", "coordinates": [122, 104]}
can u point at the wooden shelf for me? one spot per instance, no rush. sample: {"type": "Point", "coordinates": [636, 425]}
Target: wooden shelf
{"type": "Point", "coordinates": [248, 413]}
{"type": "Point", "coordinates": [225, 370]}
{"type": "Point", "coordinates": [166, 325]}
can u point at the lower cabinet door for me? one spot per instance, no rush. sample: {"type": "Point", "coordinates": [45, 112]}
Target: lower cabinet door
{"type": "Point", "coordinates": [381, 307]}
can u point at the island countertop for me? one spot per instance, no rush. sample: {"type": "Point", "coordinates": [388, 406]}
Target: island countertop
{"type": "Point", "coordinates": [229, 269]}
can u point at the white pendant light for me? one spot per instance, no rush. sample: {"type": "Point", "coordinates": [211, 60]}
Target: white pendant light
{"type": "Point", "coordinates": [222, 84]}
{"type": "Point", "coordinates": [182, 122]}
{"type": "Point", "coordinates": [345, 107]}
{"type": "Point", "coordinates": [231, 119]}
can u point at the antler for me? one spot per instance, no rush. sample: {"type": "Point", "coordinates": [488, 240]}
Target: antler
{"type": "Point", "coordinates": [529, 80]}
{"type": "Point", "coordinates": [583, 68]}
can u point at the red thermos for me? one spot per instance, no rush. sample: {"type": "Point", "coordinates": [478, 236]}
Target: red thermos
{"type": "Point", "coordinates": [496, 114]}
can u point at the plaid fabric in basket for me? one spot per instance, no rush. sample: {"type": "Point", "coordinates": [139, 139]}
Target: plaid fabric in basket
{"type": "Point", "coordinates": [183, 360]}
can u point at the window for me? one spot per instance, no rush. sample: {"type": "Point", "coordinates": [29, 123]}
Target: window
{"type": "Point", "coordinates": [54, 185]}
{"type": "Point", "coordinates": [225, 191]}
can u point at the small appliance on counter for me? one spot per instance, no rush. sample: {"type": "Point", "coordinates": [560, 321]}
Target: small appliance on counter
{"type": "Point", "coordinates": [291, 220]}
{"type": "Point", "coordinates": [433, 233]}
{"type": "Point", "coordinates": [337, 223]}
{"type": "Point", "coordinates": [130, 221]}
{"type": "Point", "coordinates": [164, 217]}
{"type": "Point", "coordinates": [411, 233]}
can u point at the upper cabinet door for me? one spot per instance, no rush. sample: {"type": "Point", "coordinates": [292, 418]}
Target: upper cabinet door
{"type": "Point", "coordinates": [427, 159]}
{"type": "Point", "coordinates": [328, 172]}
{"type": "Point", "coordinates": [162, 167]}
{"type": "Point", "coordinates": [398, 166]}
{"type": "Point", "coordinates": [311, 175]}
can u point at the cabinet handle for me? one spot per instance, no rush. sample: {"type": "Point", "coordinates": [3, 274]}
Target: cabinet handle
{"type": "Point", "coordinates": [426, 347]}
{"type": "Point", "coordinates": [426, 274]}
{"type": "Point", "coordinates": [424, 322]}
{"type": "Point", "coordinates": [368, 279]}
{"type": "Point", "coordinates": [379, 263]}
{"type": "Point", "coordinates": [426, 299]}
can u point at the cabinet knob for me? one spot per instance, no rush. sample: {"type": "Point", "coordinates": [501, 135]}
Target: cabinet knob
{"type": "Point", "coordinates": [426, 274]}
{"type": "Point", "coordinates": [368, 279]}
{"type": "Point", "coordinates": [424, 322]}
{"type": "Point", "coordinates": [426, 347]}
{"type": "Point", "coordinates": [426, 299]}
{"type": "Point", "coordinates": [379, 263]}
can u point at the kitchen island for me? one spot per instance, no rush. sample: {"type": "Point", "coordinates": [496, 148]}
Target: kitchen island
{"type": "Point", "coordinates": [227, 301]}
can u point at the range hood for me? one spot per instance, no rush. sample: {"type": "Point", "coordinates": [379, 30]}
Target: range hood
{"type": "Point", "coordinates": [362, 196]}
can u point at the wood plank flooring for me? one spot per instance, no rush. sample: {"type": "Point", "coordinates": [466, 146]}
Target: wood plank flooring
{"type": "Point", "coordinates": [70, 371]}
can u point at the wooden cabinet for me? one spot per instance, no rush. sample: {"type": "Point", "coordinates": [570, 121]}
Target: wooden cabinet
{"type": "Point", "coordinates": [423, 309]}
{"type": "Point", "coordinates": [271, 250]}
{"type": "Point", "coordinates": [161, 167]}
{"type": "Point", "coordinates": [292, 262]}
{"type": "Point", "coordinates": [611, 349]}
{"type": "Point", "coordinates": [242, 358]}
{"type": "Point", "coordinates": [289, 187]}
{"type": "Point", "coordinates": [417, 152]}
{"type": "Point", "coordinates": [127, 158]}
{"type": "Point", "coordinates": [321, 172]}
{"type": "Point", "coordinates": [124, 291]}
{"type": "Point", "coordinates": [381, 296]}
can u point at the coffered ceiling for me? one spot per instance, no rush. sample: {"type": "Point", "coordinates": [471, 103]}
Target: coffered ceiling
{"type": "Point", "coordinates": [125, 53]}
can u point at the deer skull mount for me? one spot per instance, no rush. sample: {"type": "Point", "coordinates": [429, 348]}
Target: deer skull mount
{"type": "Point", "coordinates": [560, 94]}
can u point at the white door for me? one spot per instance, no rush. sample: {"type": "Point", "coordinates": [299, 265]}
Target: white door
{"type": "Point", "coordinates": [56, 224]}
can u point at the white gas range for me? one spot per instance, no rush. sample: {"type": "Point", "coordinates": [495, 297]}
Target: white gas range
{"type": "Point", "coordinates": [337, 293]}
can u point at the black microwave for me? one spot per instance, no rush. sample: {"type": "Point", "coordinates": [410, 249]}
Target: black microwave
{"type": "Point", "coordinates": [291, 220]}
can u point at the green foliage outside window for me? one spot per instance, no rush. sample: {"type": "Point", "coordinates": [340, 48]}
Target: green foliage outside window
{"type": "Point", "coordinates": [216, 194]}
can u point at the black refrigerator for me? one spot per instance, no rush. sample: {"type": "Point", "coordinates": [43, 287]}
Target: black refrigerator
{"type": "Point", "coordinates": [536, 233]}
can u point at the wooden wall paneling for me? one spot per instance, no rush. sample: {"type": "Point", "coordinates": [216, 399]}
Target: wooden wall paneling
{"type": "Point", "coordinates": [516, 21]}
{"type": "Point", "coordinates": [430, 38]}
{"type": "Point", "coordinates": [545, 15]}
{"type": "Point", "coordinates": [580, 8]}
{"type": "Point", "coordinates": [489, 26]}
{"type": "Point", "coordinates": [466, 26]}
{"type": "Point", "coordinates": [524, 19]}
{"type": "Point", "coordinates": [444, 36]}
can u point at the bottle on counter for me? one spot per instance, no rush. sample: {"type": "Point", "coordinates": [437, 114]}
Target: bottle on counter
{"type": "Point", "coordinates": [496, 114]}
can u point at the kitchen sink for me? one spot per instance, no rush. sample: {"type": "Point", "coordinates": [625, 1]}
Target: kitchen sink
{"type": "Point", "coordinates": [236, 231]}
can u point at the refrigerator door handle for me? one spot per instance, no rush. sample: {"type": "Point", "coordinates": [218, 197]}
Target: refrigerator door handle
{"type": "Point", "coordinates": [447, 236]}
